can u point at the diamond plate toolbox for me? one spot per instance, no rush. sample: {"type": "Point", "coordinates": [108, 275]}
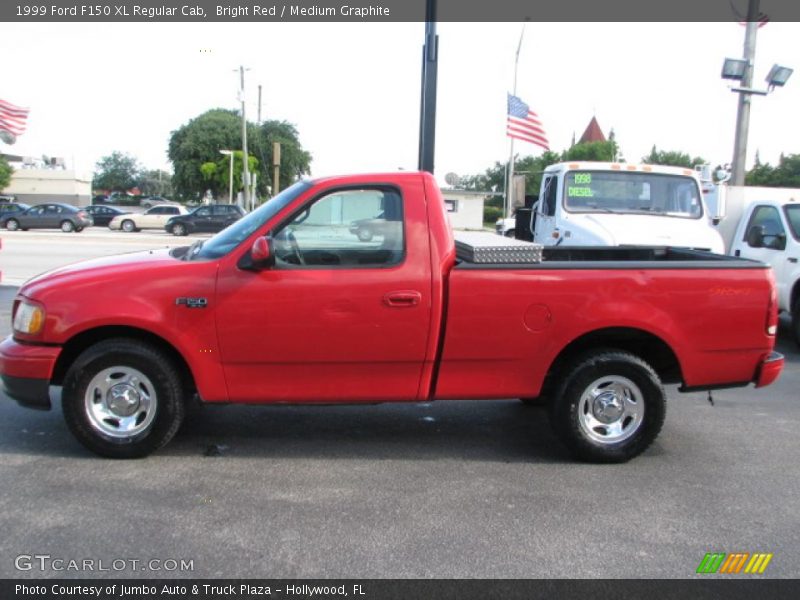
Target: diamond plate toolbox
{"type": "Point", "coordinates": [489, 248]}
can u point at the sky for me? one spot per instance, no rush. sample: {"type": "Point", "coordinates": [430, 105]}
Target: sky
{"type": "Point", "coordinates": [353, 90]}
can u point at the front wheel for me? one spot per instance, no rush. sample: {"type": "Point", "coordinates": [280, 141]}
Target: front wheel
{"type": "Point", "coordinates": [123, 398]}
{"type": "Point", "coordinates": [12, 224]}
{"type": "Point", "coordinates": [179, 229]}
{"type": "Point", "coordinates": [610, 407]}
{"type": "Point", "coordinates": [128, 226]}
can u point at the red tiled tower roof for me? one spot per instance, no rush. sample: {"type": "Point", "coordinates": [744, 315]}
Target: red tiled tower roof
{"type": "Point", "coordinates": [593, 133]}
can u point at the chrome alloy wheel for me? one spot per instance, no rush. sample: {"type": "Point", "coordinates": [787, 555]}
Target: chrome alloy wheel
{"type": "Point", "coordinates": [611, 409]}
{"type": "Point", "coordinates": [120, 402]}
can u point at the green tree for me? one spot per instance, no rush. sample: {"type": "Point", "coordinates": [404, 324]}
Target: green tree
{"type": "Point", "coordinates": [785, 174]}
{"type": "Point", "coordinates": [117, 172]}
{"type": "Point", "coordinates": [596, 151]}
{"type": "Point", "coordinates": [155, 182]}
{"type": "Point", "coordinates": [200, 140]}
{"type": "Point", "coordinates": [672, 158]}
{"type": "Point", "coordinates": [5, 172]}
{"type": "Point", "coordinates": [216, 174]}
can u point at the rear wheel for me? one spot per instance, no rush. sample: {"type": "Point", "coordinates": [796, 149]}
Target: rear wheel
{"type": "Point", "coordinates": [610, 407]}
{"type": "Point", "coordinates": [12, 224]}
{"type": "Point", "coordinates": [123, 398]}
{"type": "Point", "coordinates": [128, 225]}
{"type": "Point", "coordinates": [67, 226]}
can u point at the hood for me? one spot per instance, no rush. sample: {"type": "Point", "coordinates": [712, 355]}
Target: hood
{"type": "Point", "coordinates": [648, 230]}
{"type": "Point", "coordinates": [100, 269]}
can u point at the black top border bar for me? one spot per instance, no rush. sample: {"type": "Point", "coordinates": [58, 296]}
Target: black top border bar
{"type": "Point", "coordinates": [266, 11]}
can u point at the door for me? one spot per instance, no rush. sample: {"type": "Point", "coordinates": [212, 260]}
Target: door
{"type": "Point", "coordinates": [335, 318]}
{"type": "Point", "coordinates": [545, 219]}
{"type": "Point", "coordinates": [771, 249]}
{"type": "Point", "coordinates": [202, 220]}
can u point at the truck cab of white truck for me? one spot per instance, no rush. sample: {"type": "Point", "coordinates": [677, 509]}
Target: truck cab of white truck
{"type": "Point", "coordinates": [618, 204]}
{"type": "Point", "coordinates": [769, 231]}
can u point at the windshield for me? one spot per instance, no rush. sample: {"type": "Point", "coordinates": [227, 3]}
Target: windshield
{"type": "Point", "coordinates": [227, 239]}
{"type": "Point", "coordinates": [624, 192]}
{"type": "Point", "coordinates": [793, 216]}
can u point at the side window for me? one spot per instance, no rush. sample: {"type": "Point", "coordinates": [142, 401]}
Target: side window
{"type": "Point", "coordinates": [37, 211]}
{"type": "Point", "coordinates": [345, 228]}
{"type": "Point", "coordinates": [766, 221]}
{"type": "Point", "coordinates": [203, 212]}
{"type": "Point", "coordinates": [550, 189]}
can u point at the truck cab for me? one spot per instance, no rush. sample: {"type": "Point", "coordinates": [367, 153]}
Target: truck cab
{"type": "Point", "coordinates": [769, 231]}
{"type": "Point", "coordinates": [613, 204]}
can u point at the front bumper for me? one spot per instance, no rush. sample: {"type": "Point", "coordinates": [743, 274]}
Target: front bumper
{"type": "Point", "coordinates": [769, 369]}
{"type": "Point", "coordinates": [26, 371]}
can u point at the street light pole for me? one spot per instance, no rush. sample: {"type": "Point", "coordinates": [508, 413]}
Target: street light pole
{"type": "Point", "coordinates": [245, 167]}
{"type": "Point", "coordinates": [745, 98]}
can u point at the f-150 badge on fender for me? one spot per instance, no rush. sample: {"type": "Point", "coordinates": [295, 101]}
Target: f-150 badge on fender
{"type": "Point", "coordinates": [192, 302]}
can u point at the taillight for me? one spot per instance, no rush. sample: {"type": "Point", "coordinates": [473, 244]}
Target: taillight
{"type": "Point", "coordinates": [82, 214]}
{"type": "Point", "coordinates": [772, 308]}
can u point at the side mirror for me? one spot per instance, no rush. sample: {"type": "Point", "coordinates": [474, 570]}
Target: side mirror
{"type": "Point", "coordinates": [260, 255]}
{"type": "Point", "coordinates": [755, 236]}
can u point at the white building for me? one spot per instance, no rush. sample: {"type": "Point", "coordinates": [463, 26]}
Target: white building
{"type": "Point", "coordinates": [34, 183]}
{"type": "Point", "coordinates": [465, 208]}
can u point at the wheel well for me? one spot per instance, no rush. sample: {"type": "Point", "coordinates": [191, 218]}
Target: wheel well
{"type": "Point", "coordinates": [650, 348]}
{"type": "Point", "coordinates": [795, 297]}
{"type": "Point", "coordinates": [73, 348]}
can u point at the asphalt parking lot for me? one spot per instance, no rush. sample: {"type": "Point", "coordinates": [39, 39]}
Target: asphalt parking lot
{"type": "Point", "coordinates": [449, 489]}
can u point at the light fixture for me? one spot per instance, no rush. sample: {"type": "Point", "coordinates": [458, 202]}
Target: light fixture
{"type": "Point", "coordinates": [778, 76]}
{"type": "Point", "coordinates": [733, 68]}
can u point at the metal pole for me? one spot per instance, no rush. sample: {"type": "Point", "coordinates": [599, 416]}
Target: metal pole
{"type": "Point", "coordinates": [509, 200]}
{"type": "Point", "coordinates": [276, 164]}
{"type": "Point", "coordinates": [430, 58]}
{"type": "Point", "coordinates": [245, 167]}
{"type": "Point", "coordinates": [743, 113]}
{"type": "Point", "coordinates": [230, 178]}
{"type": "Point", "coordinates": [259, 104]}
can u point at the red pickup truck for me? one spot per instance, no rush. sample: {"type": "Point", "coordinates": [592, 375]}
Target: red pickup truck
{"type": "Point", "coordinates": [288, 305]}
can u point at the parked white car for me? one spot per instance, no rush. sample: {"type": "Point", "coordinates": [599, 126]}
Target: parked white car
{"type": "Point", "coordinates": [153, 218]}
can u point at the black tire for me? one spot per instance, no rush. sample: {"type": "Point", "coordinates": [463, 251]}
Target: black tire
{"type": "Point", "coordinates": [67, 226]}
{"type": "Point", "coordinates": [78, 229]}
{"type": "Point", "coordinates": [624, 385]}
{"type": "Point", "coordinates": [128, 226]}
{"type": "Point", "coordinates": [156, 377]}
{"type": "Point", "coordinates": [510, 233]}
{"type": "Point", "coordinates": [12, 224]}
{"type": "Point", "coordinates": [180, 229]}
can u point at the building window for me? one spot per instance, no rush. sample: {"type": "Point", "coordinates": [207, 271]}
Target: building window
{"type": "Point", "coordinates": [452, 205]}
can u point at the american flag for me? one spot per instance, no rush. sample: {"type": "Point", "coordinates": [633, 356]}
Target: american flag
{"type": "Point", "coordinates": [12, 120]}
{"type": "Point", "coordinates": [524, 124]}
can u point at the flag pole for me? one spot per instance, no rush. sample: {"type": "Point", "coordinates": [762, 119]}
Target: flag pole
{"type": "Point", "coordinates": [510, 177]}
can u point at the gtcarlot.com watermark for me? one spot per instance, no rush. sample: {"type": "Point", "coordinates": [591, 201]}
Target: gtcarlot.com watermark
{"type": "Point", "coordinates": [47, 563]}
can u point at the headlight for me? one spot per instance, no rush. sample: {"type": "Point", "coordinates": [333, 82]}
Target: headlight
{"type": "Point", "coordinates": [28, 318]}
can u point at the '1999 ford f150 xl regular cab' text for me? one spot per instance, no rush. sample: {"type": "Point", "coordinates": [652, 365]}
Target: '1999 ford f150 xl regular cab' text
{"type": "Point", "coordinates": [288, 305]}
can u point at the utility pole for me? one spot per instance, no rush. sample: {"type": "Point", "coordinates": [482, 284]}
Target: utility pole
{"type": "Point", "coordinates": [245, 167]}
{"type": "Point", "coordinates": [259, 104]}
{"type": "Point", "coordinates": [427, 117]}
{"type": "Point", "coordinates": [509, 199]}
{"type": "Point", "coordinates": [743, 112]}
